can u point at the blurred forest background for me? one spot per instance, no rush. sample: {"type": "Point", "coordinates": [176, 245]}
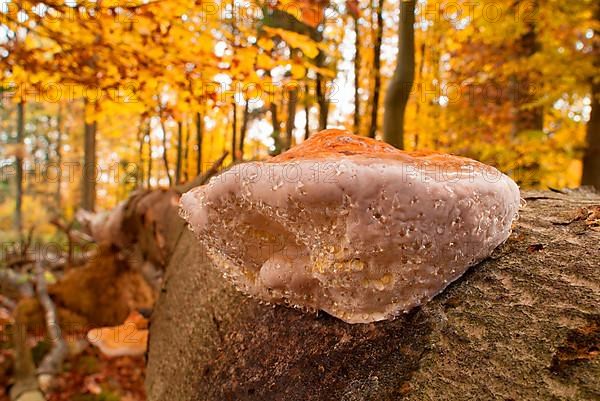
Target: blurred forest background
{"type": "Point", "coordinates": [101, 98]}
{"type": "Point", "coordinates": [152, 92]}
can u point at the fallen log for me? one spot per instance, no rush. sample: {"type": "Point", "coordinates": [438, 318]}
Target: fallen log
{"type": "Point", "coordinates": [523, 324]}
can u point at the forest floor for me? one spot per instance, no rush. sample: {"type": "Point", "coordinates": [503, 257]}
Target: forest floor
{"type": "Point", "coordinates": [87, 376]}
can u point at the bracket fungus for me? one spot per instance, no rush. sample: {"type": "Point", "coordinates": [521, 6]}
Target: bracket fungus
{"type": "Point", "coordinates": [351, 225]}
{"type": "Point", "coordinates": [127, 339]}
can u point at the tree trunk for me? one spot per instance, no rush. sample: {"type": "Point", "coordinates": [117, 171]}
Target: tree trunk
{"type": "Point", "coordinates": [149, 140]}
{"type": "Point", "coordinates": [164, 152]}
{"type": "Point", "coordinates": [307, 109]}
{"type": "Point", "coordinates": [59, 139]}
{"type": "Point", "coordinates": [591, 158]}
{"type": "Point", "coordinates": [530, 118]}
{"type": "Point", "coordinates": [178, 166]}
{"type": "Point", "coordinates": [357, 61]}
{"type": "Point", "coordinates": [186, 153]}
{"type": "Point", "coordinates": [523, 324]}
{"type": "Point", "coordinates": [199, 142]}
{"type": "Point", "coordinates": [18, 219]}
{"type": "Point", "coordinates": [141, 137]}
{"type": "Point", "coordinates": [245, 119]}
{"type": "Point", "coordinates": [377, 68]}
{"type": "Point", "coordinates": [25, 387]}
{"type": "Point", "coordinates": [291, 116]}
{"type": "Point", "coordinates": [234, 132]}
{"type": "Point", "coordinates": [88, 201]}
{"type": "Point", "coordinates": [421, 80]}
{"type": "Point", "coordinates": [398, 91]}
{"type": "Point", "coordinates": [276, 135]}
{"type": "Point", "coordinates": [321, 92]}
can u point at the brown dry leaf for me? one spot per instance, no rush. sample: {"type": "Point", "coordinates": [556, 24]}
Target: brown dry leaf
{"type": "Point", "coordinates": [593, 218]}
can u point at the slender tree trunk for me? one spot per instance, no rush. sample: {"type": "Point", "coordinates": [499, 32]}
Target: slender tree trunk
{"type": "Point", "coordinates": [149, 140]}
{"type": "Point", "coordinates": [199, 143]}
{"type": "Point", "coordinates": [524, 85]}
{"type": "Point", "coordinates": [591, 158]}
{"type": "Point", "coordinates": [88, 201]}
{"type": "Point", "coordinates": [306, 110]}
{"type": "Point", "coordinates": [400, 86]}
{"type": "Point", "coordinates": [245, 118]}
{"type": "Point", "coordinates": [164, 152]}
{"type": "Point", "coordinates": [59, 139]}
{"type": "Point", "coordinates": [140, 160]}
{"type": "Point", "coordinates": [291, 116]}
{"type": "Point", "coordinates": [321, 92]}
{"type": "Point", "coordinates": [18, 219]}
{"type": "Point", "coordinates": [25, 386]}
{"type": "Point", "coordinates": [421, 81]}
{"type": "Point", "coordinates": [377, 68]}
{"type": "Point", "coordinates": [186, 153]}
{"type": "Point", "coordinates": [357, 61]}
{"type": "Point", "coordinates": [234, 132]}
{"type": "Point", "coordinates": [179, 153]}
{"type": "Point", "coordinates": [276, 130]}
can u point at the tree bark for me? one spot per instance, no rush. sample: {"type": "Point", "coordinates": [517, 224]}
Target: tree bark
{"type": "Point", "coordinates": [523, 324]}
{"type": "Point", "coordinates": [399, 89]}
{"type": "Point", "coordinates": [18, 219]}
{"type": "Point", "coordinates": [88, 201]}
{"type": "Point", "coordinates": [377, 68]}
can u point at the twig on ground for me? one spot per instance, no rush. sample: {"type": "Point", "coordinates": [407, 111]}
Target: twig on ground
{"type": "Point", "coordinates": [73, 237]}
{"type": "Point", "coordinates": [203, 178]}
{"type": "Point", "coordinates": [52, 362]}
{"type": "Point", "coordinates": [7, 303]}
{"type": "Point", "coordinates": [14, 285]}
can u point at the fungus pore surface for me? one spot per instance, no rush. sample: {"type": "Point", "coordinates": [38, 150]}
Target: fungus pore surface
{"type": "Point", "coordinates": [350, 225]}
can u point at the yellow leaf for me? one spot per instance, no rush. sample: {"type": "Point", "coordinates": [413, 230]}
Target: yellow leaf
{"type": "Point", "coordinates": [302, 42]}
{"type": "Point", "coordinates": [298, 71]}
{"type": "Point", "coordinates": [265, 62]}
{"type": "Point", "coordinates": [265, 43]}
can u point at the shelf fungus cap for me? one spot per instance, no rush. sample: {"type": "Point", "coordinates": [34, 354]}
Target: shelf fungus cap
{"type": "Point", "coordinates": [351, 225]}
{"type": "Point", "coordinates": [127, 339]}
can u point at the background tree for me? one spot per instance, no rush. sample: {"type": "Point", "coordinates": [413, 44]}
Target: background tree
{"type": "Point", "coordinates": [401, 83]}
{"type": "Point", "coordinates": [591, 158]}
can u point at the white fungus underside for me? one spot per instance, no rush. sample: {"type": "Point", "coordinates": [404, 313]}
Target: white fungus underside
{"type": "Point", "coordinates": [363, 240]}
